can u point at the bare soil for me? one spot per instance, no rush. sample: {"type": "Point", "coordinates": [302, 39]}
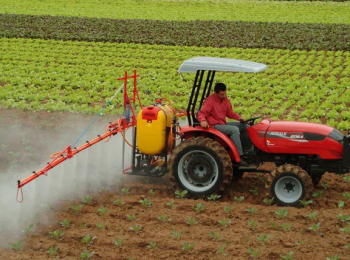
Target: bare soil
{"type": "Point", "coordinates": [115, 212]}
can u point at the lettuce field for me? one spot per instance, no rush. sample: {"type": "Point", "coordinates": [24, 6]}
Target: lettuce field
{"type": "Point", "coordinates": [59, 61]}
{"type": "Point", "coordinates": [48, 75]}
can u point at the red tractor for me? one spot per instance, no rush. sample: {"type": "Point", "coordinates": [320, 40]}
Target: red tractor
{"type": "Point", "coordinates": [205, 161]}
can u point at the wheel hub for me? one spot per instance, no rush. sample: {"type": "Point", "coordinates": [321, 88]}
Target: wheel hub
{"type": "Point", "coordinates": [288, 189]}
{"type": "Point", "coordinates": [199, 169]}
{"type": "Point", "coordinates": [289, 186]}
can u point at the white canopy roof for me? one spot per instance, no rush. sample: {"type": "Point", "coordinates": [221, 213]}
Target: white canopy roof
{"type": "Point", "coordinates": [220, 64]}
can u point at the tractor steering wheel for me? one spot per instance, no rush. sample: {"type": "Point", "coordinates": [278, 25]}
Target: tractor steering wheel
{"type": "Point", "coordinates": [251, 121]}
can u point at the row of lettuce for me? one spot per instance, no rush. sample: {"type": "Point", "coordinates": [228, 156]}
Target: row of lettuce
{"type": "Point", "coordinates": [188, 10]}
{"type": "Point", "coordinates": [81, 76]}
{"type": "Point", "coordinates": [229, 34]}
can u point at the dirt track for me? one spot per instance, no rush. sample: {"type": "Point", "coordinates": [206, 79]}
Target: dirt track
{"type": "Point", "coordinates": [167, 226]}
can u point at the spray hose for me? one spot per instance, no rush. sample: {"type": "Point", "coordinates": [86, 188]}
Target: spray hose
{"type": "Point", "coordinates": [93, 121]}
{"type": "Point", "coordinates": [126, 141]}
{"type": "Point", "coordinates": [109, 102]}
{"type": "Point", "coordinates": [147, 91]}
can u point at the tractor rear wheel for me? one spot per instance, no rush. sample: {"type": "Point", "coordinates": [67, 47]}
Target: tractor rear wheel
{"type": "Point", "coordinates": [201, 166]}
{"type": "Point", "coordinates": [289, 184]}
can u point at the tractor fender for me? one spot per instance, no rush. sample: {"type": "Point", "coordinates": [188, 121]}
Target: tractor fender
{"type": "Point", "coordinates": [195, 131]}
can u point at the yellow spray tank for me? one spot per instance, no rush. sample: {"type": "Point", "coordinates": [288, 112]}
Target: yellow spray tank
{"type": "Point", "coordinates": [153, 125]}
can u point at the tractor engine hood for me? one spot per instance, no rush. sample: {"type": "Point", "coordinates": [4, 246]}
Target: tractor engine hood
{"type": "Point", "coordinates": [290, 137]}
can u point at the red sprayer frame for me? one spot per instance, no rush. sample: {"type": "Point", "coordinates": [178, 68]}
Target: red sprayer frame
{"type": "Point", "coordinates": [116, 127]}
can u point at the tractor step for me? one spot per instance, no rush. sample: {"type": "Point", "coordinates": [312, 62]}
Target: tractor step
{"type": "Point", "coordinates": [150, 173]}
{"type": "Point", "coordinates": [252, 168]}
{"type": "Point", "coordinates": [248, 168]}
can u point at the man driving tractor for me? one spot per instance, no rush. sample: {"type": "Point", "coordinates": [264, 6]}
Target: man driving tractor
{"type": "Point", "coordinates": [213, 114]}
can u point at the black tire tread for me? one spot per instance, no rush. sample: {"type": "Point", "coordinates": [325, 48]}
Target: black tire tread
{"type": "Point", "coordinates": [215, 147]}
{"type": "Point", "coordinates": [289, 168]}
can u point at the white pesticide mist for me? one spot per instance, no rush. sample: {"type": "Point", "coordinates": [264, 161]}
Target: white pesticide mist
{"type": "Point", "coordinates": [89, 170]}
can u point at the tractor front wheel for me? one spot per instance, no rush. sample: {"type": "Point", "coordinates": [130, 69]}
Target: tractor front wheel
{"type": "Point", "coordinates": [201, 166]}
{"type": "Point", "coordinates": [289, 184]}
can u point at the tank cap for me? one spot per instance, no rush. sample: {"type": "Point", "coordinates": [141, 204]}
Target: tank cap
{"type": "Point", "coordinates": [150, 113]}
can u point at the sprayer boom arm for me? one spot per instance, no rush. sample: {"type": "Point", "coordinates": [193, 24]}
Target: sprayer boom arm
{"type": "Point", "coordinates": [118, 126]}
{"type": "Point", "coordinates": [67, 153]}
{"type": "Point", "coordinates": [129, 120]}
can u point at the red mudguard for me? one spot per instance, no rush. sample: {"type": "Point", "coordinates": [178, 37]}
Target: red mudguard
{"type": "Point", "coordinates": [224, 140]}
